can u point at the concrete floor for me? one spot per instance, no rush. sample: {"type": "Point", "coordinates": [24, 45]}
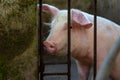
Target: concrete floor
{"type": "Point", "coordinates": [62, 68]}
{"type": "Point", "coordinates": [59, 68]}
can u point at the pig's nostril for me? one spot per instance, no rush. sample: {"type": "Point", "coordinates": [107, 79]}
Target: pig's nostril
{"type": "Point", "coordinates": [50, 46]}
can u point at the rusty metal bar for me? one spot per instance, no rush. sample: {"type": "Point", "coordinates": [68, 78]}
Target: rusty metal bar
{"type": "Point", "coordinates": [95, 39]}
{"type": "Point", "coordinates": [69, 40]}
{"type": "Point", "coordinates": [49, 74]}
{"type": "Point", "coordinates": [41, 64]}
{"type": "Point", "coordinates": [55, 63]}
{"type": "Point", "coordinates": [40, 46]}
{"type": "Point", "coordinates": [107, 65]}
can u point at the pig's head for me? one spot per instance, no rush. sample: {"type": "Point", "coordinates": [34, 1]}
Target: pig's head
{"type": "Point", "coordinates": [56, 42]}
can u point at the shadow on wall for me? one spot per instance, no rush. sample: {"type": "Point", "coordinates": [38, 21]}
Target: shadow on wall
{"type": "Point", "coordinates": [109, 9]}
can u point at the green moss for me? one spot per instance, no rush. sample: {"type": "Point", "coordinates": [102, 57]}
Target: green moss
{"type": "Point", "coordinates": [24, 67]}
{"type": "Point", "coordinates": [3, 70]}
{"type": "Point", "coordinates": [17, 30]}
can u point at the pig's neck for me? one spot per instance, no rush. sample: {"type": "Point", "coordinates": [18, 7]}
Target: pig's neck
{"type": "Point", "coordinates": [84, 52]}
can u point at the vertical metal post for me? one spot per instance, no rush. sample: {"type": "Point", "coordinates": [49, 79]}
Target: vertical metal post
{"type": "Point", "coordinates": [69, 40]}
{"type": "Point", "coordinates": [95, 38]}
{"type": "Point", "coordinates": [41, 73]}
{"type": "Point", "coordinates": [40, 47]}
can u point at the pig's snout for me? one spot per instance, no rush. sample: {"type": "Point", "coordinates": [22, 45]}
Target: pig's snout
{"type": "Point", "coordinates": [50, 46]}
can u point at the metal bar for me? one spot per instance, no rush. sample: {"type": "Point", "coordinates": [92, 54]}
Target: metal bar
{"type": "Point", "coordinates": [95, 39]}
{"type": "Point", "coordinates": [40, 46]}
{"type": "Point", "coordinates": [69, 40]}
{"type": "Point", "coordinates": [49, 74]}
{"type": "Point", "coordinates": [55, 63]}
{"type": "Point", "coordinates": [107, 65]}
{"type": "Point", "coordinates": [41, 65]}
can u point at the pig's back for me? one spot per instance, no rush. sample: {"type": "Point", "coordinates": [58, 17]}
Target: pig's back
{"type": "Point", "coordinates": [107, 31]}
{"type": "Point", "coordinates": [107, 25]}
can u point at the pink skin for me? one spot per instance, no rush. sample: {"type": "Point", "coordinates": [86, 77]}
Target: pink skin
{"type": "Point", "coordinates": [49, 46]}
{"type": "Point", "coordinates": [81, 38]}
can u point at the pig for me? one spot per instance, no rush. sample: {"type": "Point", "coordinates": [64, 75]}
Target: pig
{"type": "Point", "coordinates": [82, 39]}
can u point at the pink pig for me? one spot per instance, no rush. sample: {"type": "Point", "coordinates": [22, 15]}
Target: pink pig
{"type": "Point", "coordinates": [82, 39]}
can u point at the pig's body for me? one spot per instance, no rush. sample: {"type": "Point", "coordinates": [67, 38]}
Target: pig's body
{"type": "Point", "coordinates": [107, 33]}
{"type": "Point", "coordinates": [82, 39]}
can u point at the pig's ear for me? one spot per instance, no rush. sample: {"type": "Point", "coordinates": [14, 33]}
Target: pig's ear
{"type": "Point", "coordinates": [79, 18]}
{"type": "Point", "coordinates": [50, 9]}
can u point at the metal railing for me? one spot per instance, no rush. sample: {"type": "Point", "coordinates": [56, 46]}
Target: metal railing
{"type": "Point", "coordinates": [95, 40]}
{"type": "Point", "coordinates": [104, 71]}
{"type": "Point", "coordinates": [41, 64]}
